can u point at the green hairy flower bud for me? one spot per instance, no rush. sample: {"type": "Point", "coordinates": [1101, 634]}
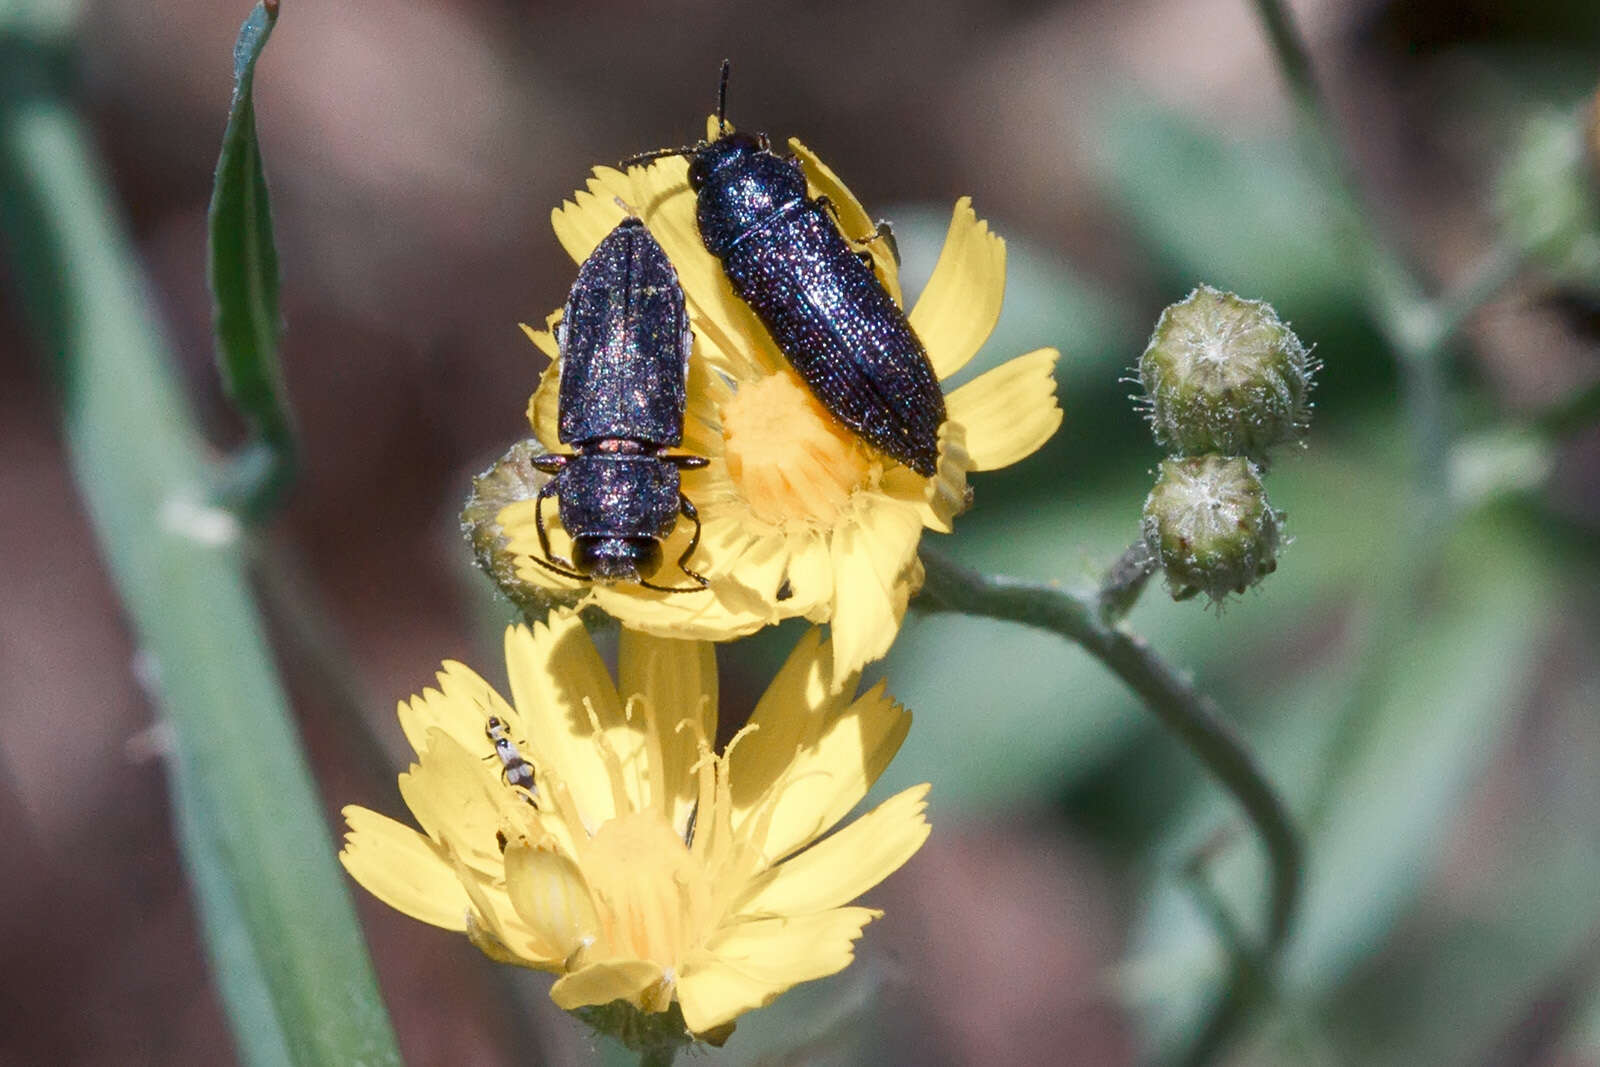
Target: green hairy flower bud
{"type": "Point", "coordinates": [1225, 374]}
{"type": "Point", "coordinates": [1209, 522]}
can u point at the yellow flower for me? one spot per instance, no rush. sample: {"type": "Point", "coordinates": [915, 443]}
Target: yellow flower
{"type": "Point", "coordinates": [640, 865]}
{"type": "Point", "coordinates": [800, 517]}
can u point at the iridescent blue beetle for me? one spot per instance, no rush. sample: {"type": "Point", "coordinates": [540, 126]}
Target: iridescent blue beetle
{"type": "Point", "coordinates": [625, 342]}
{"type": "Point", "coordinates": [817, 296]}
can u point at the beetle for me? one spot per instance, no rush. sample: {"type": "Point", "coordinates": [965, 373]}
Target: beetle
{"type": "Point", "coordinates": [624, 345]}
{"type": "Point", "coordinates": [817, 296]}
{"type": "Point", "coordinates": [514, 766]}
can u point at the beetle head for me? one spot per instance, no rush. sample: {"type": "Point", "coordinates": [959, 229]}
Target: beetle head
{"type": "Point", "coordinates": [616, 559]}
{"type": "Point", "coordinates": [725, 151]}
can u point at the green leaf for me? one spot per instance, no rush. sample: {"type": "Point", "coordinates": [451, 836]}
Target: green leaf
{"type": "Point", "coordinates": [275, 906]}
{"type": "Point", "coordinates": [1250, 217]}
{"type": "Point", "coordinates": [244, 288]}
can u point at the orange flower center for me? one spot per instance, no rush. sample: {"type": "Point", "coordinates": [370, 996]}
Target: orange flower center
{"type": "Point", "coordinates": [789, 458]}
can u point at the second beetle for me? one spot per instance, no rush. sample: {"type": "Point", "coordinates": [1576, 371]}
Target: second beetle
{"type": "Point", "coordinates": [816, 295]}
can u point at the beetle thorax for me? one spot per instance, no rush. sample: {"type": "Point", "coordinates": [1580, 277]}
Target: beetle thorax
{"type": "Point", "coordinates": [741, 186]}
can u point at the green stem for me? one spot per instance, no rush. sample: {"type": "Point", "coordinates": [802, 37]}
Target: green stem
{"type": "Point", "coordinates": [1419, 331]}
{"type": "Point", "coordinates": [659, 1056]}
{"type": "Point", "coordinates": [279, 924]}
{"type": "Point", "coordinates": [1247, 972]}
{"type": "Point", "coordinates": [1124, 581]}
{"type": "Point", "coordinates": [1180, 707]}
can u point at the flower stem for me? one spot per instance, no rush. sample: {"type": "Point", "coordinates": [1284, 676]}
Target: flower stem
{"type": "Point", "coordinates": [658, 1056]}
{"type": "Point", "coordinates": [1124, 581]}
{"type": "Point", "coordinates": [1247, 972]}
{"type": "Point", "coordinates": [1180, 707]}
{"type": "Point", "coordinates": [1419, 331]}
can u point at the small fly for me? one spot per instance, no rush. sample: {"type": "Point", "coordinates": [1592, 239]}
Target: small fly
{"type": "Point", "coordinates": [513, 765]}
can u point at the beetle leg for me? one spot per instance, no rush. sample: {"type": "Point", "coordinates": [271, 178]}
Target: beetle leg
{"type": "Point", "coordinates": [550, 463]}
{"type": "Point", "coordinates": [700, 580]}
{"type": "Point", "coordinates": [884, 232]}
{"type": "Point", "coordinates": [550, 562]}
{"type": "Point", "coordinates": [687, 463]}
{"type": "Point", "coordinates": [691, 514]}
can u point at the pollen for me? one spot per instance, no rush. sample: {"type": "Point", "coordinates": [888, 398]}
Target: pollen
{"type": "Point", "coordinates": [790, 460]}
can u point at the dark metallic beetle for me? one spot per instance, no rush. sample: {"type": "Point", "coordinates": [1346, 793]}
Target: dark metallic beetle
{"type": "Point", "coordinates": [817, 296]}
{"type": "Point", "coordinates": [625, 342]}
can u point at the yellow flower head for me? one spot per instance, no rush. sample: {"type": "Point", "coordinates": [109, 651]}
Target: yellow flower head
{"type": "Point", "coordinates": [800, 517]}
{"type": "Point", "coordinates": [588, 828]}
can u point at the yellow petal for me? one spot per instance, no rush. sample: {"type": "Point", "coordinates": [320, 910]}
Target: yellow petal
{"type": "Point", "coordinates": [939, 499]}
{"type": "Point", "coordinates": [854, 222]}
{"type": "Point", "coordinates": [840, 868]}
{"type": "Point", "coordinates": [702, 434]}
{"type": "Point", "coordinates": [403, 869]}
{"type": "Point", "coordinates": [830, 776]}
{"type": "Point", "coordinates": [583, 222]}
{"type": "Point", "coordinates": [557, 680]}
{"type": "Point", "coordinates": [495, 928]}
{"type": "Point", "coordinates": [744, 575]}
{"type": "Point", "coordinates": [1008, 412]}
{"type": "Point", "coordinates": [459, 800]}
{"type": "Point", "coordinates": [761, 567]}
{"type": "Point", "coordinates": [957, 311]}
{"type": "Point", "coordinates": [544, 407]}
{"type": "Point", "coordinates": [748, 965]}
{"type": "Point", "coordinates": [800, 703]}
{"type": "Point", "coordinates": [871, 561]}
{"type": "Point", "coordinates": [601, 983]}
{"type": "Point", "coordinates": [460, 707]}
{"type": "Point", "coordinates": [679, 681]}
{"type": "Point", "coordinates": [550, 895]}
{"type": "Point", "coordinates": [809, 574]}
{"type": "Point", "coordinates": [722, 613]}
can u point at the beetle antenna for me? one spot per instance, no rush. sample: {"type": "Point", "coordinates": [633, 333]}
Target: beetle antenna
{"type": "Point", "coordinates": [660, 153]}
{"type": "Point", "coordinates": [722, 99]}
{"type": "Point", "coordinates": [574, 575]}
{"type": "Point", "coordinates": [674, 588]}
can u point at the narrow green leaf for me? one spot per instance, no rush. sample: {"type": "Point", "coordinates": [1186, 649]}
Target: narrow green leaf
{"type": "Point", "coordinates": [244, 288]}
{"type": "Point", "coordinates": [276, 909]}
